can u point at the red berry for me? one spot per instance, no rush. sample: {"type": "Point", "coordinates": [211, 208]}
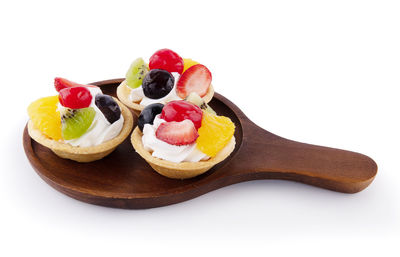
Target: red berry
{"type": "Point", "coordinates": [61, 83]}
{"type": "Point", "coordinates": [177, 133]}
{"type": "Point", "coordinates": [75, 97]}
{"type": "Point", "coordinates": [182, 110]}
{"type": "Point", "coordinates": [195, 79]}
{"type": "Point", "coordinates": [166, 59]}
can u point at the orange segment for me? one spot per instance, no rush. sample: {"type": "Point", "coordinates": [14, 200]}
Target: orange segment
{"type": "Point", "coordinates": [214, 133]}
{"type": "Point", "coordinates": [187, 63]}
{"type": "Point", "coordinates": [45, 117]}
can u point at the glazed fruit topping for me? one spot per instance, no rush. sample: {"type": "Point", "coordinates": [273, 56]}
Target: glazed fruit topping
{"type": "Point", "coordinates": [45, 117]}
{"type": "Point", "coordinates": [182, 110]}
{"type": "Point", "coordinates": [214, 134]}
{"type": "Point", "coordinates": [75, 97]}
{"type": "Point", "coordinates": [177, 133]}
{"type": "Point", "coordinates": [108, 106]}
{"type": "Point", "coordinates": [195, 79]}
{"type": "Point", "coordinates": [75, 122]}
{"type": "Point", "coordinates": [166, 59]}
{"type": "Point", "coordinates": [61, 83]}
{"type": "Point", "coordinates": [157, 83]}
{"type": "Point", "coordinates": [136, 73]}
{"type": "Point", "coordinates": [148, 114]}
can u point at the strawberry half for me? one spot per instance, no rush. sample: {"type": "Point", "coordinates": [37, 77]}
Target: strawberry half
{"type": "Point", "coordinates": [61, 83]}
{"type": "Point", "coordinates": [177, 133]}
{"type": "Point", "coordinates": [195, 79]}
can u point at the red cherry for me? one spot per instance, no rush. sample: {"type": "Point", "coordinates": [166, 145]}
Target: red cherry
{"type": "Point", "coordinates": [75, 97]}
{"type": "Point", "coordinates": [182, 110]}
{"type": "Point", "coordinates": [166, 59]}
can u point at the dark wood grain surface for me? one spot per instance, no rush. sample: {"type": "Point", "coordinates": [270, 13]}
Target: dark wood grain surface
{"type": "Point", "coordinates": [124, 180]}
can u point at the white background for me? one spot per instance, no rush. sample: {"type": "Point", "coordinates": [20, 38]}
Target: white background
{"type": "Point", "coordinates": [322, 72]}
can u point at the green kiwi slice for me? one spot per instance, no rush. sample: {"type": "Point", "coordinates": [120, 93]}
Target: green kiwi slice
{"type": "Point", "coordinates": [194, 98]}
{"type": "Point", "coordinates": [75, 122]}
{"type": "Point", "coordinates": [136, 73]}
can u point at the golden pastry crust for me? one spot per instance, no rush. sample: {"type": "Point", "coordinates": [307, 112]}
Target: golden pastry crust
{"type": "Point", "coordinates": [181, 170]}
{"type": "Point", "coordinates": [123, 92]}
{"type": "Point", "coordinates": [85, 154]}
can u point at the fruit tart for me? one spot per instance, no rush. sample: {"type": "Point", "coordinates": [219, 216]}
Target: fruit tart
{"type": "Point", "coordinates": [180, 139]}
{"type": "Point", "coordinates": [80, 123]}
{"type": "Point", "coordinates": [167, 77]}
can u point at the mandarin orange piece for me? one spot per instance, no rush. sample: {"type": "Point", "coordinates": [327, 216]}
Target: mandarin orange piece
{"type": "Point", "coordinates": [45, 116]}
{"type": "Point", "coordinates": [214, 133]}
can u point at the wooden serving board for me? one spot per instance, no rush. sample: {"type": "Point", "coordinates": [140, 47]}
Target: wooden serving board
{"type": "Point", "coordinates": [124, 180]}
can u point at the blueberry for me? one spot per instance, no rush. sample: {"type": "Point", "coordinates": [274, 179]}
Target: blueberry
{"type": "Point", "coordinates": [109, 107]}
{"type": "Point", "coordinates": [157, 83]}
{"type": "Point", "coordinates": [148, 114]}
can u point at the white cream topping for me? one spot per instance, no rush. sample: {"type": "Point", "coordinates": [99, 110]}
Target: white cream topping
{"type": "Point", "coordinates": [100, 130]}
{"type": "Point", "coordinates": [137, 94]}
{"type": "Point", "coordinates": [165, 151]}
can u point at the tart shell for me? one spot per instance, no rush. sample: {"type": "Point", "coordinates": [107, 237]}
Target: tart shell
{"type": "Point", "coordinates": [181, 170]}
{"type": "Point", "coordinates": [84, 154]}
{"type": "Point", "coordinates": [123, 93]}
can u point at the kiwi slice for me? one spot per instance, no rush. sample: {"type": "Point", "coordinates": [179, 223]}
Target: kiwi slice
{"type": "Point", "coordinates": [136, 73]}
{"type": "Point", "coordinates": [75, 122]}
{"type": "Point", "coordinates": [194, 98]}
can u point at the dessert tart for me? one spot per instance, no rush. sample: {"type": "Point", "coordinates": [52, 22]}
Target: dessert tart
{"type": "Point", "coordinates": [166, 78]}
{"type": "Point", "coordinates": [81, 123]}
{"type": "Point", "coordinates": [181, 140]}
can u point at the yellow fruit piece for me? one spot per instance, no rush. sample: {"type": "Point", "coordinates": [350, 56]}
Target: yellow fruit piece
{"type": "Point", "coordinates": [45, 117]}
{"type": "Point", "coordinates": [187, 63]}
{"type": "Point", "coordinates": [214, 133]}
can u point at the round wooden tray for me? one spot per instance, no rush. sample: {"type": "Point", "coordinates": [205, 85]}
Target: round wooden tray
{"type": "Point", "coordinates": [124, 180]}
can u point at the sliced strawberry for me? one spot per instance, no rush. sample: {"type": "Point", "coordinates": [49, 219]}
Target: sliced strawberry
{"type": "Point", "coordinates": [195, 79]}
{"type": "Point", "coordinates": [177, 133]}
{"type": "Point", "coordinates": [61, 83]}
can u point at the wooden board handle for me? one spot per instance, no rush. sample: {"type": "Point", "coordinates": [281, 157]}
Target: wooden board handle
{"type": "Point", "coordinates": [264, 155]}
